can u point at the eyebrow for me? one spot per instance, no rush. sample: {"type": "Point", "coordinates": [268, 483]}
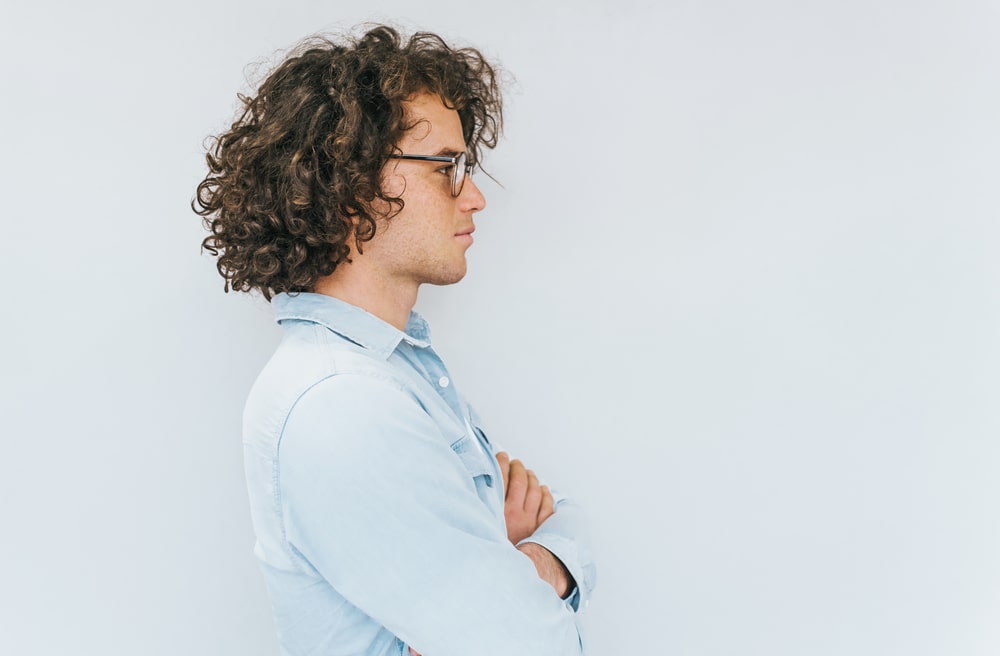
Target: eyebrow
{"type": "Point", "coordinates": [447, 152]}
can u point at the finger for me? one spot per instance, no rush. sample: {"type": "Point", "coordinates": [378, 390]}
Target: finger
{"type": "Point", "coordinates": [518, 479]}
{"type": "Point", "coordinates": [548, 505]}
{"type": "Point", "coordinates": [533, 495]}
{"type": "Point", "coordinates": [504, 461]}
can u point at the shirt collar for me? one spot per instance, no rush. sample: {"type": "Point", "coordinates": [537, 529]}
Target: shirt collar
{"type": "Point", "coordinates": [351, 322]}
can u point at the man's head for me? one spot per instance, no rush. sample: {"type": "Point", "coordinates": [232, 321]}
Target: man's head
{"type": "Point", "coordinates": [310, 166]}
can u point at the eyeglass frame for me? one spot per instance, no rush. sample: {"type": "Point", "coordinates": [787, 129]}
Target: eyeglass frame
{"type": "Point", "coordinates": [459, 173]}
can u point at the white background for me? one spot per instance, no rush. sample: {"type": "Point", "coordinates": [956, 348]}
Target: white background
{"type": "Point", "coordinates": [738, 295]}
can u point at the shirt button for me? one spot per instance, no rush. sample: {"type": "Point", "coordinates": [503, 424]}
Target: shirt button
{"type": "Point", "coordinates": [443, 381]}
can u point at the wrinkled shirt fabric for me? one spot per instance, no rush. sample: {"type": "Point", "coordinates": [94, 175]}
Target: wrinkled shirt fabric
{"type": "Point", "coordinates": [378, 505]}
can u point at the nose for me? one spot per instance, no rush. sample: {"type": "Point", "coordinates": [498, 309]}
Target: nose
{"type": "Point", "coordinates": [471, 199]}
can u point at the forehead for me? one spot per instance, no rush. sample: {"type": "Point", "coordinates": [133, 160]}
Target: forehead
{"type": "Point", "coordinates": [436, 129]}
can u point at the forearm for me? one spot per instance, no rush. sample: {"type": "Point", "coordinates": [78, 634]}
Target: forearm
{"type": "Point", "coordinates": [550, 569]}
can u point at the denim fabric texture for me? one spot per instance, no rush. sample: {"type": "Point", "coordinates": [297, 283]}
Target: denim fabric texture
{"type": "Point", "coordinates": [378, 506]}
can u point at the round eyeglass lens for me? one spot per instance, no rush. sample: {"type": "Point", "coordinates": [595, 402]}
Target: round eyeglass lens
{"type": "Point", "coordinates": [458, 175]}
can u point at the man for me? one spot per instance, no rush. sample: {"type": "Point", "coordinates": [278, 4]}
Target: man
{"type": "Point", "coordinates": [387, 521]}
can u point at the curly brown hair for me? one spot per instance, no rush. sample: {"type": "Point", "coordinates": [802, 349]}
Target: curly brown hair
{"type": "Point", "coordinates": [295, 177]}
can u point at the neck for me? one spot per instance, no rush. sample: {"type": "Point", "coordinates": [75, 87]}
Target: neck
{"type": "Point", "coordinates": [355, 283]}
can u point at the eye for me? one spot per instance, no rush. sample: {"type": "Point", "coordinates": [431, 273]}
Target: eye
{"type": "Point", "coordinates": [446, 169]}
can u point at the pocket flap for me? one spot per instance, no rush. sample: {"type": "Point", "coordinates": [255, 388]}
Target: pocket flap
{"type": "Point", "coordinates": [473, 458]}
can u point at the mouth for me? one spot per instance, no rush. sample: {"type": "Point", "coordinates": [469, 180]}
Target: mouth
{"type": "Point", "coordinates": [467, 231]}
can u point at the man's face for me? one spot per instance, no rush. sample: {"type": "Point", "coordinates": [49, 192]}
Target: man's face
{"type": "Point", "coordinates": [427, 240]}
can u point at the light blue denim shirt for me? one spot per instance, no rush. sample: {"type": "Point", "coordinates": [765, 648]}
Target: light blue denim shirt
{"type": "Point", "coordinates": [379, 520]}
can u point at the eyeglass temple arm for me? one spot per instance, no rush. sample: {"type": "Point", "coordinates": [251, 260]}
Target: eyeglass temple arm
{"type": "Point", "coordinates": [427, 158]}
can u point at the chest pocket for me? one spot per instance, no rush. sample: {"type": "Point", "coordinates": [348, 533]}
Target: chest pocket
{"type": "Point", "coordinates": [473, 458]}
{"type": "Point", "coordinates": [480, 470]}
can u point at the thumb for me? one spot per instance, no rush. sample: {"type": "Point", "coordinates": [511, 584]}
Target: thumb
{"type": "Point", "coordinates": [504, 461]}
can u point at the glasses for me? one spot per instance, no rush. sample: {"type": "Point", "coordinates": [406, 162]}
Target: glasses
{"type": "Point", "coordinates": [460, 167]}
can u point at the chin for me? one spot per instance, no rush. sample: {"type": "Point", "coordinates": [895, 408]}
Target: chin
{"type": "Point", "coordinates": [448, 276]}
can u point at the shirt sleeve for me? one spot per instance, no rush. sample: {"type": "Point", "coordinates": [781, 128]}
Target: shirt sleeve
{"type": "Point", "coordinates": [376, 501]}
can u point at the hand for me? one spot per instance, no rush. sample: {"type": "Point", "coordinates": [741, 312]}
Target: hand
{"type": "Point", "coordinates": [526, 503]}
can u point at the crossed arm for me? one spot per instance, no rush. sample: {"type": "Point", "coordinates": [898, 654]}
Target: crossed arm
{"type": "Point", "coordinates": [421, 557]}
{"type": "Point", "coordinates": [527, 504]}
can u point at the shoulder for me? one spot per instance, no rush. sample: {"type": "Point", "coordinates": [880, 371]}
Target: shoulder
{"type": "Point", "coordinates": [314, 369]}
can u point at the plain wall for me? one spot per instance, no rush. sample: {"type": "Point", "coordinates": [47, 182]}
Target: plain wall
{"type": "Point", "coordinates": [737, 294]}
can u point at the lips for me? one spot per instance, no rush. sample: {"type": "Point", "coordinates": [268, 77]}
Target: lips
{"type": "Point", "coordinates": [465, 236]}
